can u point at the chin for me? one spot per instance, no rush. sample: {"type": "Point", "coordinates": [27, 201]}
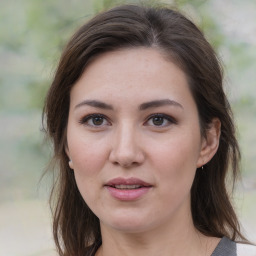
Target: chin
{"type": "Point", "coordinates": [129, 223]}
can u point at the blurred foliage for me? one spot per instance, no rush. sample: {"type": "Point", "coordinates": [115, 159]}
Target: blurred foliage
{"type": "Point", "coordinates": [33, 33]}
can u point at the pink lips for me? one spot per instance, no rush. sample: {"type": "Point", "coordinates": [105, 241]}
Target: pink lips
{"type": "Point", "coordinates": [127, 189]}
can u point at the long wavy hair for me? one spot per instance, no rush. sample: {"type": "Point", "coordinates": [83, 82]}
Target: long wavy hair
{"type": "Point", "coordinates": [76, 229]}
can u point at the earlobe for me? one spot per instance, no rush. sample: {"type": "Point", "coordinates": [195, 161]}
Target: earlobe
{"type": "Point", "coordinates": [210, 143]}
{"type": "Point", "coordinates": [70, 163]}
{"type": "Point", "coordinates": [67, 150]}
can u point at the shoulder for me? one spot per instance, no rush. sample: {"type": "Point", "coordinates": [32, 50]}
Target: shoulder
{"type": "Point", "coordinates": [225, 247]}
{"type": "Point", "coordinates": [246, 250]}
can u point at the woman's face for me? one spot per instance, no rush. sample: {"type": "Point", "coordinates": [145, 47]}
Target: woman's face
{"type": "Point", "coordinates": [134, 140]}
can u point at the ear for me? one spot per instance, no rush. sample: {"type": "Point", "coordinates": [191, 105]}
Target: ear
{"type": "Point", "coordinates": [210, 143]}
{"type": "Point", "coordinates": [68, 154]}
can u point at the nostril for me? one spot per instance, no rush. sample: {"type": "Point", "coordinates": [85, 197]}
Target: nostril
{"type": "Point", "coordinates": [126, 154]}
{"type": "Point", "coordinates": [125, 164]}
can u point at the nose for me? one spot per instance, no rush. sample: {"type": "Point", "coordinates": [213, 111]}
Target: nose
{"type": "Point", "coordinates": [126, 150]}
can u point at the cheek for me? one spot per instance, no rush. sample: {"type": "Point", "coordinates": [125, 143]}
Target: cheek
{"type": "Point", "coordinates": [88, 159]}
{"type": "Point", "coordinates": [88, 155]}
{"type": "Point", "coordinates": [176, 161]}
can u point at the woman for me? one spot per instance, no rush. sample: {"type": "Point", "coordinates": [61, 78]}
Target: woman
{"type": "Point", "coordinates": [143, 139]}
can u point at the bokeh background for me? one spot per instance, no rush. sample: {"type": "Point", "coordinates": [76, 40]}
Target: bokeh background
{"type": "Point", "coordinates": [32, 34]}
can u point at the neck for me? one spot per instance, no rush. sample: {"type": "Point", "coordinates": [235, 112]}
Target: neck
{"type": "Point", "coordinates": [182, 239]}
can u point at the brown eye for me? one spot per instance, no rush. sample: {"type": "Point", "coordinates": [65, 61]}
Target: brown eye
{"type": "Point", "coordinates": [158, 120]}
{"type": "Point", "coordinates": [94, 120]}
{"type": "Point", "coordinates": [98, 120]}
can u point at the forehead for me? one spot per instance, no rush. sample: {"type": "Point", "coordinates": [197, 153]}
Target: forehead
{"type": "Point", "coordinates": [136, 74]}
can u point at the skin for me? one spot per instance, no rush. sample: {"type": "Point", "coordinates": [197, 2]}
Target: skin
{"type": "Point", "coordinates": [128, 142]}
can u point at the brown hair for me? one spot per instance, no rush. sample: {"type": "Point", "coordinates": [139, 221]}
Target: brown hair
{"type": "Point", "coordinates": [76, 228]}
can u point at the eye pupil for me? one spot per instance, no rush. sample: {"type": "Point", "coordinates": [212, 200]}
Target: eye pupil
{"type": "Point", "coordinates": [97, 120]}
{"type": "Point", "coordinates": [158, 120]}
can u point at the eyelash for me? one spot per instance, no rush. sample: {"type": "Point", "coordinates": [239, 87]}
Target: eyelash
{"type": "Point", "coordinates": [85, 120]}
{"type": "Point", "coordinates": [169, 119]}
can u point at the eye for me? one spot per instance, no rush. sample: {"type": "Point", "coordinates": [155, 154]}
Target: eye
{"type": "Point", "coordinates": [94, 120]}
{"type": "Point", "coordinates": [160, 120]}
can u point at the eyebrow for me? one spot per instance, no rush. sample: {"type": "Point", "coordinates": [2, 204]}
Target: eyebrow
{"type": "Point", "coordinates": [95, 104]}
{"type": "Point", "coordinates": [159, 103]}
{"type": "Point", "coordinates": [143, 106]}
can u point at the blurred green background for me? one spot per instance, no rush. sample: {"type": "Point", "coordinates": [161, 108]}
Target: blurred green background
{"type": "Point", "coordinates": [32, 34]}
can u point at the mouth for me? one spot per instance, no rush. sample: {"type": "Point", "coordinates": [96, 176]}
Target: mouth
{"type": "Point", "coordinates": [127, 189]}
{"type": "Point", "coordinates": [126, 184]}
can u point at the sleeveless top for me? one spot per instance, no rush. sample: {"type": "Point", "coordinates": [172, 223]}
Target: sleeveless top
{"type": "Point", "coordinates": [226, 247]}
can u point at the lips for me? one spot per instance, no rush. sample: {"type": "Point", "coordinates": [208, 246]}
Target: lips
{"type": "Point", "coordinates": [130, 183]}
{"type": "Point", "coordinates": [126, 186]}
{"type": "Point", "coordinates": [127, 189]}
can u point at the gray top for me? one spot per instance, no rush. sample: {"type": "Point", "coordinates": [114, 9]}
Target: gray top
{"type": "Point", "coordinates": [226, 247]}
